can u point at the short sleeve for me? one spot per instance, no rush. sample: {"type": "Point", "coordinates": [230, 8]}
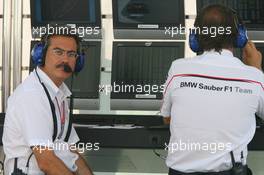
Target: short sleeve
{"type": "Point", "coordinates": [260, 110]}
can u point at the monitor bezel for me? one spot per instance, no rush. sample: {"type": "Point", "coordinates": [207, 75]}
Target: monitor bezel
{"type": "Point", "coordinates": [34, 12]}
{"type": "Point", "coordinates": [120, 25]}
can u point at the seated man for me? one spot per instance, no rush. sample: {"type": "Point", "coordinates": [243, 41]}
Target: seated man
{"type": "Point", "coordinates": [36, 105]}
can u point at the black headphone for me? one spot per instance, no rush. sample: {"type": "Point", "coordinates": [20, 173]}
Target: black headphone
{"type": "Point", "coordinates": [241, 38]}
{"type": "Point", "coordinates": [39, 51]}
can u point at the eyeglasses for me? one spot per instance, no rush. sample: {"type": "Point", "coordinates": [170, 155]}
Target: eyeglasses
{"type": "Point", "coordinates": [60, 52]}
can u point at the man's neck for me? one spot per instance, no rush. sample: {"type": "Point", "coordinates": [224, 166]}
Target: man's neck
{"type": "Point", "coordinates": [230, 49]}
{"type": "Point", "coordinates": [57, 82]}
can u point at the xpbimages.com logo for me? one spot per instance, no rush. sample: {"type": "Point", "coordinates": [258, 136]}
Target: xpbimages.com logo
{"type": "Point", "coordinates": [128, 88]}
{"type": "Point", "coordinates": [65, 30]}
{"type": "Point", "coordinates": [212, 147]}
{"type": "Point", "coordinates": [63, 146]}
{"type": "Point", "coordinates": [212, 31]}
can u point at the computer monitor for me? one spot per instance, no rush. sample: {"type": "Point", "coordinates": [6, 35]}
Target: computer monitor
{"type": "Point", "coordinates": [85, 87]}
{"type": "Point", "coordinates": [250, 11]}
{"type": "Point", "coordinates": [84, 15]}
{"type": "Point", "coordinates": [139, 69]}
{"type": "Point", "coordinates": [147, 18]}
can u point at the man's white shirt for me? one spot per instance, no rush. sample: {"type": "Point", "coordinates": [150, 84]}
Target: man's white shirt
{"type": "Point", "coordinates": [212, 100]}
{"type": "Point", "coordinates": [29, 122]}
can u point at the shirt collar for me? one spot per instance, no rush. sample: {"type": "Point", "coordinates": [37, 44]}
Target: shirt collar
{"type": "Point", "coordinates": [224, 52]}
{"type": "Point", "coordinates": [225, 57]}
{"type": "Point", "coordinates": [60, 92]}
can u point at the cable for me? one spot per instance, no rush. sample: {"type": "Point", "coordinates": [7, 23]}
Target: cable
{"type": "Point", "coordinates": [71, 97]}
{"type": "Point", "coordinates": [159, 155]}
{"type": "Point", "coordinates": [71, 113]}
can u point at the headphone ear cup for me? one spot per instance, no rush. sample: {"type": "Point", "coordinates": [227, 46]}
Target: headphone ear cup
{"type": "Point", "coordinates": [193, 41]}
{"type": "Point", "coordinates": [79, 63]}
{"type": "Point", "coordinates": [37, 54]}
{"type": "Point", "coordinates": [242, 37]}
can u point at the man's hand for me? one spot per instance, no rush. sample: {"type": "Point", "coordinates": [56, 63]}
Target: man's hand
{"type": "Point", "coordinates": [49, 163]}
{"type": "Point", "coordinates": [83, 168]}
{"type": "Point", "coordinates": [166, 120]}
{"type": "Point", "coordinates": [251, 56]}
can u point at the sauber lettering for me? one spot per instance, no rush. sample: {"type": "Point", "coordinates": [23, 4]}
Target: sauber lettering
{"type": "Point", "coordinates": [235, 89]}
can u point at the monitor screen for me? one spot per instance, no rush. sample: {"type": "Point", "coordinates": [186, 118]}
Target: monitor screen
{"type": "Point", "coordinates": [137, 13]}
{"type": "Point", "coordinates": [140, 68]}
{"type": "Point", "coordinates": [250, 11]}
{"type": "Point", "coordinates": [86, 82]}
{"type": "Point", "coordinates": [81, 12]}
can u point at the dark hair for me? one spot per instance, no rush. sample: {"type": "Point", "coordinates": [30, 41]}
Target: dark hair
{"type": "Point", "coordinates": [216, 16]}
{"type": "Point", "coordinates": [45, 39]}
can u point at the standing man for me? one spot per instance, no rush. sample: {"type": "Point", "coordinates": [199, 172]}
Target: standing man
{"type": "Point", "coordinates": [210, 100]}
{"type": "Point", "coordinates": [37, 115]}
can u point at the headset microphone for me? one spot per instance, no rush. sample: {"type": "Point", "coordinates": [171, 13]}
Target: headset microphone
{"type": "Point", "coordinates": [67, 68]}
